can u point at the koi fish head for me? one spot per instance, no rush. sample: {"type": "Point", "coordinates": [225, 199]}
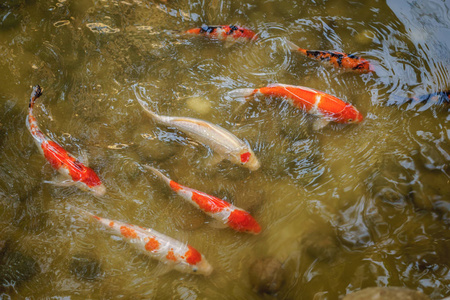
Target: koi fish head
{"type": "Point", "coordinates": [203, 268]}
{"type": "Point", "coordinates": [240, 220]}
{"type": "Point", "coordinates": [98, 190]}
{"type": "Point", "coordinates": [350, 115]}
{"type": "Point", "coordinates": [194, 262]}
{"type": "Point", "coordinates": [248, 159]}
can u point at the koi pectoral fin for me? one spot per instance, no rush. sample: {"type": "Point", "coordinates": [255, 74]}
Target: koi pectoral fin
{"type": "Point", "coordinates": [84, 158]}
{"type": "Point", "coordinates": [320, 123]}
{"type": "Point", "coordinates": [61, 181]}
{"type": "Point", "coordinates": [217, 224]}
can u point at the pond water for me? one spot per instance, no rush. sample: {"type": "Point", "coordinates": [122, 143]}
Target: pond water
{"type": "Point", "coordinates": [342, 208]}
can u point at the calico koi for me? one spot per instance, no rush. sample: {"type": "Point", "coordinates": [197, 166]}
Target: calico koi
{"type": "Point", "coordinates": [226, 213]}
{"type": "Point", "coordinates": [336, 59]}
{"type": "Point", "coordinates": [222, 142]}
{"type": "Point", "coordinates": [182, 257]}
{"type": "Point", "coordinates": [328, 107]}
{"type": "Point", "coordinates": [65, 163]}
{"type": "Point", "coordinates": [224, 32]}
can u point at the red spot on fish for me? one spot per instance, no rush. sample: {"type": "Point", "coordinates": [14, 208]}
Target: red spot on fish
{"type": "Point", "coordinates": [128, 232]}
{"type": "Point", "coordinates": [95, 217]}
{"type": "Point", "coordinates": [241, 220]}
{"type": "Point", "coordinates": [152, 245]}
{"type": "Point", "coordinates": [245, 157]}
{"type": "Point", "coordinates": [175, 186]}
{"type": "Point", "coordinates": [58, 157]}
{"type": "Point", "coordinates": [208, 203]}
{"type": "Point", "coordinates": [111, 224]}
{"type": "Point", "coordinates": [171, 256]}
{"type": "Point", "coordinates": [193, 256]}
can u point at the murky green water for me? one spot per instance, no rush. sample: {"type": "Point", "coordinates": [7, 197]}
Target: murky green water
{"type": "Point", "coordinates": [347, 207]}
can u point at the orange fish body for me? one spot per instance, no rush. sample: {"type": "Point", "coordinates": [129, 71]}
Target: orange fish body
{"type": "Point", "coordinates": [226, 213]}
{"type": "Point", "coordinates": [337, 59]}
{"type": "Point", "coordinates": [61, 160]}
{"type": "Point", "coordinates": [312, 101]}
{"type": "Point", "coordinates": [224, 32]}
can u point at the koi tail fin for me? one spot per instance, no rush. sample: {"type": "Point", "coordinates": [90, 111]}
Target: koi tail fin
{"type": "Point", "coordinates": [159, 174]}
{"type": "Point", "coordinates": [36, 93]}
{"type": "Point", "coordinates": [294, 47]}
{"type": "Point", "coordinates": [82, 212]}
{"type": "Point", "coordinates": [152, 114]}
{"type": "Point", "coordinates": [242, 93]}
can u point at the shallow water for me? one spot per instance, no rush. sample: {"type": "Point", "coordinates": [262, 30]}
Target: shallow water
{"type": "Point", "coordinates": [379, 190]}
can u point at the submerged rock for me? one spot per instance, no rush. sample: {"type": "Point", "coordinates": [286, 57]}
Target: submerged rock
{"type": "Point", "coordinates": [321, 246]}
{"type": "Point", "coordinates": [266, 275]}
{"type": "Point", "coordinates": [386, 293]}
{"type": "Point", "coordinates": [16, 267]}
{"type": "Point", "coordinates": [85, 267]}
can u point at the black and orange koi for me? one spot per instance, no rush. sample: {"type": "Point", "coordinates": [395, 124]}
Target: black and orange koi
{"type": "Point", "coordinates": [336, 59]}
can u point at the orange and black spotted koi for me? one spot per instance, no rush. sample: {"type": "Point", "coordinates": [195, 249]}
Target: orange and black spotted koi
{"type": "Point", "coordinates": [336, 59]}
{"type": "Point", "coordinates": [180, 256]}
{"type": "Point", "coordinates": [61, 160]}
{"type": "Point", "coordinates": [226, 213]}
{"type": "Point", "coordinates": [224, 32]}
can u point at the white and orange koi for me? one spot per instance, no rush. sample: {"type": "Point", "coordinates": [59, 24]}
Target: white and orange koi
{"type": "Point", "coordinates": [327, 107]}
{"type": "Point", "coordinates": [221, 141]}
{"type": "Point", "coordinates": [226, 213]}
{"type": "Point", "coordinates": [182, 257]}
{"type": "Point", "coordinates": [65, 163]}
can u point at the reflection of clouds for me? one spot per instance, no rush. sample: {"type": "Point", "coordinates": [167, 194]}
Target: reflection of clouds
{"type": "Point", "coordinates": [101, 28]}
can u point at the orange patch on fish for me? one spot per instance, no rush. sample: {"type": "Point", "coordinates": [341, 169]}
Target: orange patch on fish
{"type": "Point", "coordinates": [152, 245]}
{"type": "Point", "coordinates": [111, 224]}
{"type": "Point", "coordinates": [171, 256]}
{"type": "Point", "coordinates": [208, 203]}
{"type": "Point", "coordinates": [245, 157]}
{"type": "Point", "coordinates": [128, 232]}
{"type": "Point", "coordinates": [193, 256]}
{"type": "Point", "coordinates": [241, 220]}
{"type": "Point", "coordinates": [95, 217]}
{"type": "Point", "coordinates": [175, 186]}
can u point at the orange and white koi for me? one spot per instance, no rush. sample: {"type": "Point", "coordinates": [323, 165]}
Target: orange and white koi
{"type": "Point", "coordinates": [336, 59]}
{"type": "Point", "coordinates": [328, 107]}
{"type": "Point", "coordinates": [226, 213]}
{"type": "Point", "coordinates": [224, 32]}
{"type": "Point", "coordinates": [221, 141]}
{"type": "Point", "coordinates": [182, 257]}
{"type": "Point", "coordinates": [65, 163]}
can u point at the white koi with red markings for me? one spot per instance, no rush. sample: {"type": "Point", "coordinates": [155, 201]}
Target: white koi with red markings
{"type": "Point", "coordinates": [65, 163]}
{"type": "Point", "coordinates": [182, 257]}
{"type": "Point", "coordinates": [226, 213]}
{"type": "Point", "coordinates": [220, 140]}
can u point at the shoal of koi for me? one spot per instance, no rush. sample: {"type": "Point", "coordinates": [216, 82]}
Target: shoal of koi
{"type": "Point", "coordinates": [223, 143]}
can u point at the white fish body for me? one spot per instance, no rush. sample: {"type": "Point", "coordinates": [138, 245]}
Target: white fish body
{"type": "Point", "coordinates": [182, 257]}
{"type": "Point", "coordinates": [221, 141]}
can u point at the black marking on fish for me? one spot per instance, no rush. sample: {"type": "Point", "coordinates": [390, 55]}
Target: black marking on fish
{"type": "Point", "coordinates": [36, 93]}
{"type": "Point", "coordinates": [207, 29]}
{"type": "Point", "coordinates": [232, 29]}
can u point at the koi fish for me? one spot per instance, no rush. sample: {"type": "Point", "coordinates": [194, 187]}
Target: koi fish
{"type": "Point", "coordinates": [328, 107]}
{"type": "Point", "coordinates": [336, 59]}
{"type": "Point", "coordinates": [182, 257]}
{"type": "Point", "coordinates": [65, 163]}
{"type": "Point", "coordinates": [224, 32]}
{"type": "Point", "coordinates": [226, 213]}
{"type": "Point", "coordinates": [429, 100]}
{"type": "Point", "coordinates": [225, 144]}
